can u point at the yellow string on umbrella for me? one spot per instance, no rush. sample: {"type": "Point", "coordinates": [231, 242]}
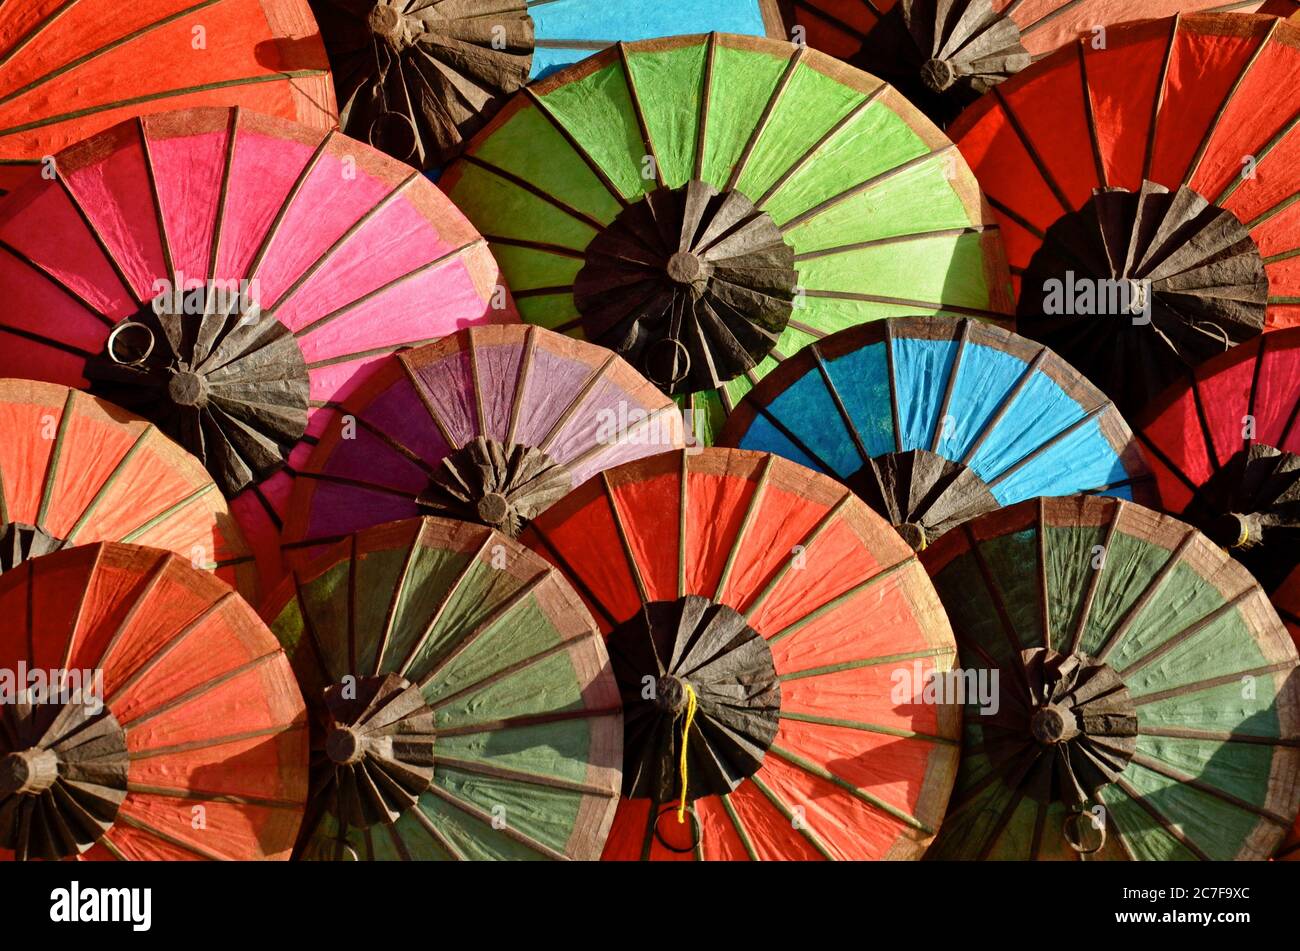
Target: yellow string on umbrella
{"type": "Point", "coordinates": [686, 738]}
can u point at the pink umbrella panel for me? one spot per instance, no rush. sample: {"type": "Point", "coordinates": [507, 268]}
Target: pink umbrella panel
{"type": "Point", "coordinates": [230, 276]}
{"type": "Point", "coordinates": [491, 424]}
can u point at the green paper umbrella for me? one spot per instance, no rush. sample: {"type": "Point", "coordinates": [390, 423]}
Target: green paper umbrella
{"type": "Point", "coordinates": [708, 205]}
{"type": "Point", "coordinates": [462, 704]}
{"type": "Point", "coordinates": [1145, 702]}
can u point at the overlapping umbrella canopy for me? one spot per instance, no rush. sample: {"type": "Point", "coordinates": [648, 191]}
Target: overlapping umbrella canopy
{"type": "Point", "coordinates": [70, 70]}
{"type": "Point", "coordinates": [1224, 446]}
{"type": "Point", "coordinates": [1147, 690]}
{"type": "Point", "coordinates": [763, 611]}
{"type": "Point", "coordinates": [461, 699]}
{"type": "Point", "coordinates": [227, 276]}
{"type": "Point", "coordinates": [490, 424]}
{"type": "Point", "coordinates": [192, 744]}
{"type": "Point", "coordinates": [75, 470]}
{"type": "Point", "coordinates": [708, 205]}
{"type": "Point", "coordinates": [1144, 195]}
{"type": "Point", "coordinates": [943, 54]}
{"type": "Point", "coordinates": [416, 78]}
{"type": "Point", "coordinates": [935, 421]}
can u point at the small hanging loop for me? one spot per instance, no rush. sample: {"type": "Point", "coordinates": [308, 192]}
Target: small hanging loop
{"type": "Point", "coordinates": [695, 830]}
{"type": "Point", "coordinates": [110, 347]}
{"type": "Point", "coordinates": [1089, 839]}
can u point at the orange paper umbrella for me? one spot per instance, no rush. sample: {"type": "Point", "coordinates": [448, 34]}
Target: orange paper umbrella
{"type": "Point", "coordinates": [75, 469]}
{"type": "Point", "coordinates": [70, 69]}
{"type": "Point", "coordinates": [168, 724]}
{"type": "Point", "coordinates": [764, 626]}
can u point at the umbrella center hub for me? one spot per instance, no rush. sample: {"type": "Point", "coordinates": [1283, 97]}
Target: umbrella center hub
{"type": "Point", "coordinates": [495, 484]}
{"type": "Point", "coordinates": [1248, 506]}
{"type": "Point", "coordinates": [938, 75]}
{"type": "Point", "coordinates": [61, 788]}
{"type": "Point", "coordinates": [1054, 723]}
{"type": "Point", "coordinates": [493, 509]}
{"type": "Point", "coordinates": [28, 772]}
{"type": "Point", "coordinates": [663, 655]}
{"type": "Point", "coordinates": [921, 493]}
{"type": "Point", "coordinates": [188, 388]}
{"type": "Point", "coordinates": [690, 285]}
{"type": "Point", "coordinates": [389, 24]}
{"type": "Point", "coordinates": [379, 737]}
{"type": "Point", "coordinates": [343, 745]}
{"type": "Point", "coordinates": [686, 268]}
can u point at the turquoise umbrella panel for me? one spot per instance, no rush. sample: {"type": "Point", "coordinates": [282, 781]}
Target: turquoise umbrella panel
{"type": "Point", "coordinates": [935, 409]}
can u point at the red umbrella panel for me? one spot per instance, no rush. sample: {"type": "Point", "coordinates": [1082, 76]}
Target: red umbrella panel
{"type": "Point", "coordinates": [943, 54]}
{"type": "Point", "coordinates": [490, 424]}
{"type": "Point", "coordinates": [1224, 448]}
{"type": "Point", "coordinates": [1147, 202]}
{"type": "Point", "coordinates": [228, 276]}
{"type": "Point", "coordinates": [774, 641]}
{"type": "Point", "coordinates": [69, 70]}
{"type": "Point", "coordinates": [75, 469]}
{"type": "Point", "coordinates": [159, 717]}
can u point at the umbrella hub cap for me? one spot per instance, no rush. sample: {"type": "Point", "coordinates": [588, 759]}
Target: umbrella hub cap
{"type": "Point", "coordinates": [389, 24]}
{"type": "Point", "coordinates": [1108, 289]}
{"type": "Point", "coordinates": [938, 75]}
{"type": "Point", "coordinates": [215, 374]}
{"type": "Point", "coordinates": [188, 388]}
{"type": "Point", "coordinates": [18, 542]}
{"type": "Point", "coordinates": [377, 736]}
{"type": "Point", "coordinates": [714, 284]}
{"type": "Point", "coordinates": [1077, 733]}
{"type": "Point", "coordinates": [921, 493]}
{"type": "Point", "coordinates": [503, 486]}
{"type": "Point", "coordinates": [70, 789]}
{"type": "Point", "coordinates": [672, 651]}
{"type": "Point", "coordinates": [1251, 507]}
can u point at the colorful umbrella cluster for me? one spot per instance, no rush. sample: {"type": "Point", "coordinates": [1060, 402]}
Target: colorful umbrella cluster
{"type": "Point", "coordinates": [724, 462]}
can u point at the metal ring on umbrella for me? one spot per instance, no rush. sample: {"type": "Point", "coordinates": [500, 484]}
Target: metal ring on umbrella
{"type": "Point", "coordinates": [226, 275]}
{"type": "Point", "coordinates": [75, 470]}
{"type": "Point", "coordinates": [933, 422]}
{"type": "Point", "coordinates": [490, 424]}
{"type": "Point", "coordinates": [461, 700]}
{"type": "Point", "coordinates": [71, 70]}
{"type": "Point", "coordinates": [417, 79]}
{"type": "Point", "coordinates": [1148, 219]}
{"type": "Point", "coordinates": [797, 197]}
{"type": "Point", "coordinates": [1145, 697]}
{"type": "Point", "coordinates": [944, 55]}
{"type": "Point", "coordinates": [763, 625]}
{"type": "Point", "coordinates": [158, 720]}
{"type": "Point", "coordinates": [1224, 447]}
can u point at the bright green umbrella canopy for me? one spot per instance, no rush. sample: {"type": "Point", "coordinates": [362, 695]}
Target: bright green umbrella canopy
{"type": "Point", "coordinates": [1138, 694]}
{"type": "Point", "coordinates": [708, 205]}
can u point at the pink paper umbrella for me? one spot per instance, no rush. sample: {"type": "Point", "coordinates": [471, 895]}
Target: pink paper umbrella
{"type": "Point", "coordinates": [231, 277]}
{"type": "Point", "coordinates": [492, 425]}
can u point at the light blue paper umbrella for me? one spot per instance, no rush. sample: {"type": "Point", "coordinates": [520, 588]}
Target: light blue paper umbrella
{"type": "Point", "coordinates": [934, 421]}
{"type": "Point", "coordinates": [416, 77]}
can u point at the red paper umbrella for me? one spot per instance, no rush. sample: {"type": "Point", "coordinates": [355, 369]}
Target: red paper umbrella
{"type": "Point", "coordinates": [766, 613]}
{"type": "Point", "coordinates": [491, 424]}
{"type": "Point", "coordinates": [1224, 447]}
{"type": "Point", "coordinates": [942, 54]}
{"type": "Point", "coordinates": [75, 470]}
{"type": "Point", "coordinates": [1146, 199]}
{"type": "Point", "coordinates": [224, 275]}
{"type": "Point", "coordinates": [71, 69]}
{"type": "Point", "coordinates": [162, 720]}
